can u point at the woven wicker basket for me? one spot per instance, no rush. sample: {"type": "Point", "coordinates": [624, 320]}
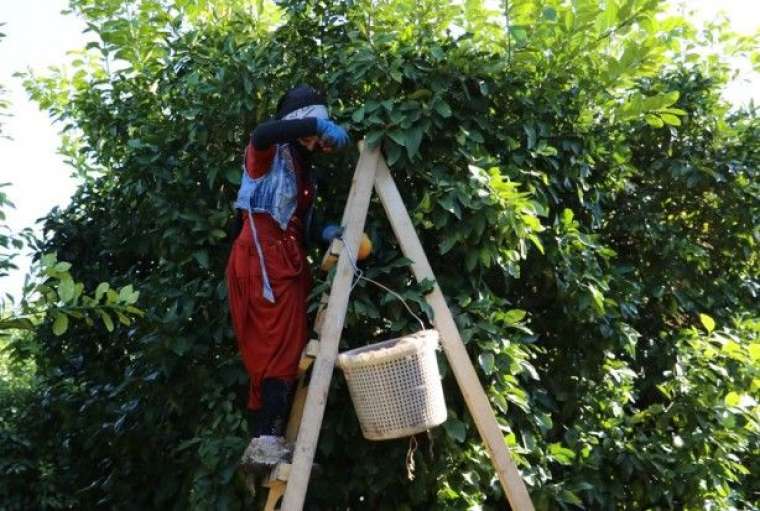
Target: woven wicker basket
{"type": "Point", "coordinates": [395, 386]}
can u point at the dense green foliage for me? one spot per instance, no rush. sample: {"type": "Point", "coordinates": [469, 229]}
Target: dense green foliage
{"type": "Point", "coordinates": [50, 299]}
{"type": "Point", "coordinates": [572, 161]}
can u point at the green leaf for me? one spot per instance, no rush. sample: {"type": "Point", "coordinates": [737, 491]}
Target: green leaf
{"type": "Point", "coordinates": [421, 94]}
{"type": "Point", "coordinates": [536, 242]}
{"type": "Point", "coordinates": [66, 289]}
{"type": "Point", "coordinates": [670, 119]}
{"type": "Point", "coordinates": [470, 260]}
{"type": "Point", "coordinates": [101, 290]}
{"type": "Point", "coordinates": [358, 114]}
{"type": "Point", "coordinates": [413, 140]}
{"type": "Point", "coordinates": [455, 429]}
{"type": "Point", "coordinates": [61, 323]}
{"type": "Point", "coordinates": [513, 316]}
{"type": "Point", "coordinates": [598, 298]}
{"type": "Point", "coordinates": [487, 362]}
{"type": "Point", "coordinates": [519, 33]}
{"type": "Point", "coordinates": [671, 97]}
{"type": "Point", "coordinates": [544, 421]}
{"type": "Point", "coordinates": [550, 14]}
{"type": "Point", "coordinates": [124, 320]}
{"type": "Point", "coordinates": [398, 136]}
{"type": "Point", "coordinates": [546, 150]}
{"type": "Point", "coordinates": [15, 324]}
{"type": "Point", "coordinates": [133, 297]}
{"type": "Point", "coordinates": [447, 244]}
{"type": "Point", "coordinates": [233, 175]}
{"type": "Point", "coordinates": [62, 267]}
{"type": "Point", "coordinates": [394, 153]}
{"type": "Point", "coordinates": [125, 293]}
{"type": "Point", "coordinates": [373, 138]}
{"type": "Point", "coordinates": [202, 257]}
{"type": "Point", "coordinates": [562, 455]}
{"type": "Point", "coordinates": [570, 498]}
{"type": "Point", "coordinates": [450, 204]}
{"type": "Point", "coordinates": [654, 121]}
{"type": "Point", "coordinates": [500, 402]}
{"type": "Point", "coordinates": [49, 259]}
{"type": "Point", "coordinates": [107, 321]}
{"type": "Point", "coordinates": [707, 322]}
{"type": "Point", "coordinates": [733, 399]}
{"type": "Point", "coordinates": [443, 108]}
{"type": "Point", "coordinates": [112, 297]}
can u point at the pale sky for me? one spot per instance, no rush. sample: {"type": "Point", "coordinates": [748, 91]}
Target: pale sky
{"type": "Point", "coordinates": [38, 35]}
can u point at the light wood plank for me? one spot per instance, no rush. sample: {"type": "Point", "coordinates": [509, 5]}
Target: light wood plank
{"type": "Point", "coordinates": [320, 317]}
{"type": "Point", "coordinates": [296, 411]}
{"type": "Point", "coordinates": [462, 367]}
{"type": "Point", "coordinates": [354, 216]}
{"type": "Point", "coordinates": [277, 487]}
{"type": "Point", "coordinates": [307, 357]}
{"type": "Point", "coordinates": [279, 473]}
{"type": "Point", "coordinates": [299, 396]}
{"type": "Point", "coordinates": [276, 490]}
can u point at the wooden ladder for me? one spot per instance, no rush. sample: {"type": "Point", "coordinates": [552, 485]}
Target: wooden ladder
{"type": "Point", "coordinates": [289, 481]}
{"type": "Point", "coordinates": [278, 477]}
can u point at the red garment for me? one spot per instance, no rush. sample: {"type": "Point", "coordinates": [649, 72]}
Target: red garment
{"type": "Point", "coordinates": [270, 336]}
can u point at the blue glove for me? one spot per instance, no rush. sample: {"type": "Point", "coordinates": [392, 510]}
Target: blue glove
{"type": "Point", "coordinates": [330, 232]}
{"type": "Point", "coordinates": [332, 133]}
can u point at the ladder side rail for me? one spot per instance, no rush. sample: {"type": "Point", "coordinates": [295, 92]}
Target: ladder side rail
{"type": "Point", "coordinates": [467, 379]}
{"type": "Point", "coordinates": [330, 333]}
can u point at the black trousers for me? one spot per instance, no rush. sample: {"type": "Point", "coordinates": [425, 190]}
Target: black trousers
{"type": "Point", "coordinates": [271, 418]}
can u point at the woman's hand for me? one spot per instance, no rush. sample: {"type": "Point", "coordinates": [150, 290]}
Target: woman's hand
{"type": "Point", "coordinates": [330, 232]}
{"type": "Point", "coordinates": [332, 133]}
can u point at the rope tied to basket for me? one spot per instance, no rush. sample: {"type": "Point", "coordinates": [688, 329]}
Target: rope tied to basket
{"type": "Point", "coordinates": [359, 275]}
{"type": "Point", "coordinates": [410, 457]}
{"type": "Point", "coordinates": [395, 384]}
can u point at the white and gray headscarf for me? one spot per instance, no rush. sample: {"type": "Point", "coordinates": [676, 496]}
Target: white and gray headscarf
{"type": "Point", "coordinates": [302, 101]}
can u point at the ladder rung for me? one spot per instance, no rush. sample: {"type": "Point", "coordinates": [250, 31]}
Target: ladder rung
{"type": "Point", "coordinates": [330, 258]}
{"type": "Point", "coordinates": [310, 352]}
{"type": "Point", "coordinates": [280, 472]}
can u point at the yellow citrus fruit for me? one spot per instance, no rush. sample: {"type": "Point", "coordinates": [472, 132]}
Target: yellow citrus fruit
{"type": "Point", "coordinates": [365, 247]}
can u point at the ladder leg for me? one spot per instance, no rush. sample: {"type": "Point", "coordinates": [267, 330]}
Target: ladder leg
{"type": "Point", "coordinates": [459, 360]}
{"type": "Point", "coordinates": [330, 332]}
{"type": "Point", "coordinates": [275, 484]}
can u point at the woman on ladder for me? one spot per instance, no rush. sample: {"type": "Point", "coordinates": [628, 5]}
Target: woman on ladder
{"type": "Point", "coordinates": [268, 277]}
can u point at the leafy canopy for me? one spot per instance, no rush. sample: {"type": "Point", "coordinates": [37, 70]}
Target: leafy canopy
{"type": "Point", "coordinates": [587, 199]}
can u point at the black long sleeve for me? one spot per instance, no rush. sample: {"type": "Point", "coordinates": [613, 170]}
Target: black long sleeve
{"type": "Point", "coordinates": [278, 131]}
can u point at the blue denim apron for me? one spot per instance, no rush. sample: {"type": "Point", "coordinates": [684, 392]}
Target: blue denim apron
{"type": "Point", "coordinates": [274, 193]}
